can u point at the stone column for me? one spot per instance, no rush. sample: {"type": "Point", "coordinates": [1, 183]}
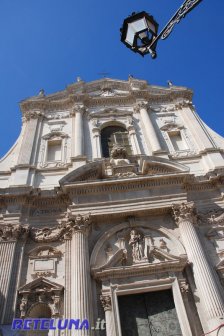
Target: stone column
{"type": "Point", "coordinates": [133, 138]}
{"type": "Point", "coordinates": [81, 296]}
{"type": "Point", "coordinates": [78, 130]}
{"type": "Point", "coordinates": [72, 116]}
{"type": "Point", "coordinates": [68, 275]}
{"type": "Point", "coordinates": [11, 255]}
{"type": "Point", "coordinates": [205, 279]}
{"type": "Point", "coordinates": [148, 128]}
{"type": "Point", "coordinates": [106, 303]}
{"type": "Point", "coordinates": [97, 153]}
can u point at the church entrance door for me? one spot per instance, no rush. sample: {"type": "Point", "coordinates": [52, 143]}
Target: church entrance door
{"type": "Point", "coordinates": [149, 314]}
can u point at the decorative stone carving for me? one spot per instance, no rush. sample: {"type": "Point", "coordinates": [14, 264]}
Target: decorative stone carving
{"type": "Point", "coordinates": [40, 291]}
{"type": "Point", "coordinates": [163, 244]}
{"type": "Point", "coordinates": [137, 243]}
{"type": "Point", "coordinates": [31, 115]}
{"type": "Point", "coordinates": [184, 212]}
{"type": "Point", "coordinates": [184, 286]}
{"type": "Point", "coordinates": [46, 234]}
{"type": "Point", "coordinates": [64, 230]}
{"type": "Point", "coordinates": [23, 306]}
{"type": "Point", "coordinates": [125, 174]}
{"type": "Point", "coordinates": [140, 105]}
{"type": "Point", "coordinates": [119, 155]}
{"type": "Point", "coordinates": [107, 92]}
{"type": "Point", "coordinates": [106, 302]}
{"type": "Point", "coordinates": [13, 232]}
{"type": "Point", "coordinates": [44, 252]}
{"type": "Point", "coordinates": [79, 223]}
{"type": "Point", "coordinates": [79, 109]}
{"type": "Point", "coordinates": [216, 218]}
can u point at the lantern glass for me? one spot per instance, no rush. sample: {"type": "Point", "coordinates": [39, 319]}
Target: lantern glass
{"type": "Point", "coordinates": [138, 32]}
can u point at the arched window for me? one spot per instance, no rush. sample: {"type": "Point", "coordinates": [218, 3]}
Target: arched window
{"type": "Point", "coordinates": [111, 135]}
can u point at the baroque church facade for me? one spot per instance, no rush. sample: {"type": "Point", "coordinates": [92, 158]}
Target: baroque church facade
{"type": "Point", "coordinates": [112, 208]}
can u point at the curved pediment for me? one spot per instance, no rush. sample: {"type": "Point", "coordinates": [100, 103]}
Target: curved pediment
{"type": "Point", "coordinates": [91, 171]}
{"type": "Point", "coordinates": [157, 166]}
{"type": "Point", "coordinates": [149, 165]}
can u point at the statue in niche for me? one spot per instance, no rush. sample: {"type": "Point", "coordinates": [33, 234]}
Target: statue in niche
{"type": "Point", "coordinates": [137, 243]}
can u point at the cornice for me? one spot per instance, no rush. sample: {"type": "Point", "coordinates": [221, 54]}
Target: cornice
{"type": "Point", "coordinates": [135, 90]}
{"type": "Point", "coordinates": [121, 272]}
{"type": "Point", "coordinates": [125, 184]}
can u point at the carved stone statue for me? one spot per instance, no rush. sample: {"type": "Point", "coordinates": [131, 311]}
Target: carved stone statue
{"type": "Point", "coordinates": [137, 244]}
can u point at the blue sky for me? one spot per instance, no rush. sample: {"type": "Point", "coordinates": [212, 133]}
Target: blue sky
{"type": "Point", "coordinates": [48, 43]}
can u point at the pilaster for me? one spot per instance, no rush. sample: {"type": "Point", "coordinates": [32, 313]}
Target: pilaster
{"type": "Point", "coordinates": [107, 305]}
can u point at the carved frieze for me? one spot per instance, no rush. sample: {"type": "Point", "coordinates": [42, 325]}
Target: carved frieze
{"type": "Point", "coordinates": [68, 226]}
{"type": "Point", "coordinates": [13, 232]}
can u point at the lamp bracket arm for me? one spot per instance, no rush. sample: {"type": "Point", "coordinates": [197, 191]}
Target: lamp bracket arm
{"type": "Point", "coordinates": [185, 8]}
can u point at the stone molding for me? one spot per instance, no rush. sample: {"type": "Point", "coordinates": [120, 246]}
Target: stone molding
{"type": "Point", "coordinates": [106, 302]}
{"type": "Point", "coordinates": [184, 212]}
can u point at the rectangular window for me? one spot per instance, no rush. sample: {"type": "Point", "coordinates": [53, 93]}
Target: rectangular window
{"type": "Point", "coordinates": [177, 141]}
{"type": "Point", "coordinates": [54, 151]}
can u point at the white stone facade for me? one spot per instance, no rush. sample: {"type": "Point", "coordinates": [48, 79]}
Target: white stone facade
{"type": "Point", "coordinates": [79, 229]}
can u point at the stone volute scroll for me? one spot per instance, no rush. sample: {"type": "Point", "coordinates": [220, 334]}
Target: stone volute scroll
{"type": "Point", "coordinates": [206, 279]}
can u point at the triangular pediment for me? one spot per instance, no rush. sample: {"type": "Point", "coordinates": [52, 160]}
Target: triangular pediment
{"type": "Point", "coordinates": [40, 283]}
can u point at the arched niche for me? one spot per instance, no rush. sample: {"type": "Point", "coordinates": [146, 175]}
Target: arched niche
{"type": "Point", "coordinates": [114, 133]}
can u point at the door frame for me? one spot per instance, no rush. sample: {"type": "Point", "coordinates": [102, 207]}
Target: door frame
{"type": "Point", "coordinates": [137, 287]}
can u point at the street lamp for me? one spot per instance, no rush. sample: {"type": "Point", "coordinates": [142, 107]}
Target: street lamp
{"type": "Point", "coordinates": [140, 31]}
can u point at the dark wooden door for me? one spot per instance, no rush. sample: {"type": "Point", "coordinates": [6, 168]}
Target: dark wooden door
{"type": "Point", "coordinates": [149, 314]}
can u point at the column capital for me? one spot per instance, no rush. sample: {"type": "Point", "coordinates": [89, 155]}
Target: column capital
{"type": "Point", "coordinates": [78, 223]}
{"type": "Point", "coordinates": [183, 212]}
{"type": "Point", "coordinates": [106, 302]}
{"type": "Point", "coordinates": [141, 105]}
{"type": "Point", "coordinates": [78, 109]}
